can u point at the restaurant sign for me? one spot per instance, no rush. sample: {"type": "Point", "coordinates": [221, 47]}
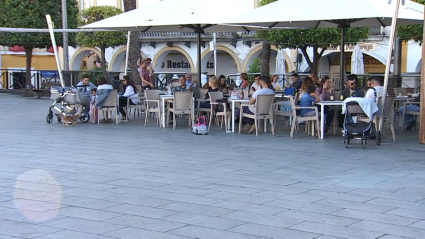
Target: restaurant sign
{"type": "Point", "coordinates": [350, 47]}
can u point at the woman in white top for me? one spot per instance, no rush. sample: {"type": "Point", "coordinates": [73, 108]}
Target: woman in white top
{"type": "Point", "coordinates": [130, 92]}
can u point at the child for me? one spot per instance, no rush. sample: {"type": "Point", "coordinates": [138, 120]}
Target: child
{"type": "Point", "coordinates": [93, 110]}
{"type": "Point", "coordinates": [307, 99]}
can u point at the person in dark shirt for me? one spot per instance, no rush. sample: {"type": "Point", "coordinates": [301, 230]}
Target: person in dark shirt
{"type": "Point", "coordinates": [350, 91]}
{"type": "Point", "coordinates": [296, 81]}
{"type": "Point", "coordinates": [411, 121]}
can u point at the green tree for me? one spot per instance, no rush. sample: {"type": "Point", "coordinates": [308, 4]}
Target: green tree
{"type": "Point", "coordinates": [32, 14]}
{"type": "Point", "coordinates": [255, 67]}
{"type": "Point", "coordinates": [102, 40]}
{"type": "Point", "coordinates": [412, 32]}
{"type": "Point", "coordinates": [319, 39]}
{"type": "Point", "coordinates": [134, 53]}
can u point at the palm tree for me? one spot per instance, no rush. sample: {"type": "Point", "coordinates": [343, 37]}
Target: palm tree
{"type": "Point", "coordinates": [135, 53]}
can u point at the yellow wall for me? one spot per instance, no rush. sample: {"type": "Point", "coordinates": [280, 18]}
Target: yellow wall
{"type": "Point", "coordinates": [37, 63]}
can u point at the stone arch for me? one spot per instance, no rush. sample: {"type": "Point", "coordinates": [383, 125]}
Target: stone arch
{"type": "Point", "coordinates": [256, 50]}
{"type": "Point", "coordinates": [118, 57]}
{"type": "Point", "coordinates": [160, 56]}
{"type": "Point", "coordinates": [207, 54]}
{"type": "Point", "coordinates": [418, 66]}
{"type": "Point", "coordinates": [331, 56]}
{"type": "Point", "coordinates": [78, 56]}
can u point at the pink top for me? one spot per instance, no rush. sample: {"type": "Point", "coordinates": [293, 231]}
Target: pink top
{"type": "Point", "coordinates": [145, 74]}
{"type": "Point", "coordinates": [323, 94]}
{"type": "Point", "coordinates": [244, 84]}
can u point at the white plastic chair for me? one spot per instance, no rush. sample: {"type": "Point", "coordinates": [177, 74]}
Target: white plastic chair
{"type": "Point", "coordinates": [182, 105]}
{"type": "Point", "coordinates": [153, 105]}
{"type": "Point", "coordinates": [263, 110]}
{"type": "Point", "coordinates": [109, 105]}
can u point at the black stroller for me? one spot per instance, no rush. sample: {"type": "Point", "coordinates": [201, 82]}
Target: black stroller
{"type": "Point", "coordinates": [357, 125]}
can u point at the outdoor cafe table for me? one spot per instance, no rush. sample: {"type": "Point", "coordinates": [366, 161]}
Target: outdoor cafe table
{"type": "Point", "coordinates": [233, 110]}
{"type": "Point", "coordinates": [322, 115]}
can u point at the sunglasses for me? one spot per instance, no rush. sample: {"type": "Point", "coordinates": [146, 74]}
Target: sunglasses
{"type": "Point", "coordinates": [353, 84]}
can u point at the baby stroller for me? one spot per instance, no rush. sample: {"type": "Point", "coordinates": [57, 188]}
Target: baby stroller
{"type": "Point", "coordinates": [357, 124]}
{"type": "Point", "coordinates": [70, 103]}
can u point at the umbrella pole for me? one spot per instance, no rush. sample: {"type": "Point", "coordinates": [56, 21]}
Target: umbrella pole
{"type": "Point", "coordinates": [343, 27]}
{"type": "Point", "coordinates": [198, 31]}
{"type": "Point", "coordinates": [388, 66]}
{"type": "Point", "coordinates": [127, 53]}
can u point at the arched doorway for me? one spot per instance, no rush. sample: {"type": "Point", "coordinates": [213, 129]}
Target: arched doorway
{"type": "Point", "coordinates": [227, 61]}
{"type": "Point", "coordinates": [117, 63]}
{"type": "Point", "coordinates": [330, 63]}
{"type": "Point", "coordinates": [84, 58]}
{"type": "Point", "coordinates": [255, 53]}
{"type": "Point", "coordinates": [173, 59]}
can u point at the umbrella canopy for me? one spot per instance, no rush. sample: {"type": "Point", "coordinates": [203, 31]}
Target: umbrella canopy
{"type": "Point", "coordinates": [328, 13]}
{"type": "Point", "coordinates": [198, 16]}
{"type": "Point", "coordinates": [280, 65]}
{"type": "Point", "coordinates": [177, 16]}
{"type": "Point", "coordinates": [357, 64]}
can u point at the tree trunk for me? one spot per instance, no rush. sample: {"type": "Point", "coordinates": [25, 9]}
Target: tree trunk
{"type": "Point", "coordinates": [103, 61]}
{"type": "Point", "coordinates": [265, 59]}
{"type": "Point", "coordinates": [28, 54]}
{"type": "Point", "coordinates": [316, 58]}
{"type": "Point", "coordinates": [134, 53]}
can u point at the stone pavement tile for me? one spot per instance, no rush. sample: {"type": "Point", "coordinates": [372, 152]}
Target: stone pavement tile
{"type": "Point", "coordinates": [141, 211]}
{"type": "Point", "coordinates": [208, 233]}
{"type": "Point", "coordinates": [250, 207]}
{"type": "Point", "coordinates": [65, 234]}
{"type": "Point", "coordinates": [138, 200]}
{"type": "Point", "coordinates": [393, 237]}
{"type": "Point", "coordinates": [330, 237]}
{"type": "Point", "coordinates": [396, 196]}
{"type": "Point", "coordinates": [7, 183]}
{"type": "Point", "coordinates": [375, 217]}
{"type": "Point", "coordinates": [137, 233]}
{"type": "Point", "coordinates": [146, 223]}
{"type": "Point", "coordinates": [32, 205]}
{"type": "Point", "coordinates": [317, 217]}
{"type": "Point", "coordinates": [336, 231]}
{"type": "Point", "coordinates": [419, 191]}
{"type": "Point", "coordinates": [6, 237]}
{"type": "Point", "coordinates": [86, 213]}
{"type": "Point", "coordinates": [302, 197]}
{"type": "Point", "coordinates": [419, 214]}
{"type": "Point", "coordinates": [24, 230]}
{"type": "Point", "coordinates": [301, 206]}
{"type": "Point", "coordinates": [82, 225]}
{"type": "Point", "coordinates": [184, 190]}
{"type": "Point", "coordinates": [134, 183]}
{"type": "Point", "coordinates": [390, 229]}
{"type": "Point", "coordinates": [179, 182]}
{"type": "Point", "coordinates": [205, 221]}
{"type": "Point", "coordinates": [343, 196]}
{"type": "Point", "coordinates": [80, 192]}
{"type": "Point", "coordinates": [42, 187]}
{"type": "Point", "coordinates": [6, 190]}
{"type": "Point", "coordinates": [37, 195]}
{"type": "Point", "coordinates": [87, 185]}
{"type": "Point", "coordinates": [369, 207]}
{"type": "Point", "coordinates": [332, 188]}
{"type": "Point", "coordinates": [223, 181]}
{"type": "Point", "coordinates": [240, 197]}
{"type": "Point", "coordinates": [4, 198]}
{"type": "Point", "coordinates": [142, 192]}
{"type": "Point", "coordinates": [28, 216]}
{"type": "Point", "coordinates": [398, 203]}
{"type": "Point", "coordinates": [257, 218]}
{"type": "Point", "coordinates": [420, 225]}
{"type": "Point", "coordinates": [232, 189]}
{"type": "Point", "coordinates": [197, 209]}
{"type": "Point", "coordinates": [90, 178]}
{"type": "Point", "coordinates": [190, 198]}
{"type": "Point", "coordinates": [88, 202]}
{"type": "Point", "coordinates": [273, 232]}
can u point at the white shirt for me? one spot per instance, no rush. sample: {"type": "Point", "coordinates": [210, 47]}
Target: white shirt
{"type": "Point", "coordinates": [129, 92]}
{"type": "Point", "coordinates": [275, 84]}
{"type": "Point", "coordinates": [105, 87]}
{"type": "Point", "coordinates": [266, 91]}
{"type": "Point", "coordinates": [370, 94]}
{"type": "Point", "coordinates": [256, 86]}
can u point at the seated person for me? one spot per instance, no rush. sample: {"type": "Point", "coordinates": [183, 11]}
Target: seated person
{"type": "Point", "coordinates": [130, 91]}
{"type": "Point", "coordinates": [85, 87]}
{"type": "Point", "coordinates": [93, 110]}
{"type": "Point", "coordinates": [222, 84]}
{"type": "Point", "coordinates": [256, 85]}
{"type": "Point", "coordinates": [296, 81]}
{"type": "Point", "coordinates": [306, 82]}
{"type": "Point", "coordinates": [411, 121]}
{"type": "Point", "coordinates": [244, 78]}
{"type": "Point", "coordinates": [325, 90]}
{"type": "Point", "coordinates": [276, 84]}
{"type": "Point", "coordinates": [212, 82]}
{"type": "Point", "coordinates": [308, 99]}
{"type": "Point", "coordinates": [264, 82]}
{"type": "Point", "coordinates": [376, 84]}
{"type": "Point", "coordinates": [181, 87]}
{"type": "Point", "coordinates": [350, 91]}
{"type": "Point", "coordinates": [101, 93]}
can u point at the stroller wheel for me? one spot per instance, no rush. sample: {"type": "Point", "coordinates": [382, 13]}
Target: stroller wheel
{"type": "Point", "coordinates": [347, 141]}
{"type": "Point", "coordinates": [49, 119]}
{"type": "Point", "coordinates": [85, 117]}
{"type": "Point", "coordinates": [378, 138]}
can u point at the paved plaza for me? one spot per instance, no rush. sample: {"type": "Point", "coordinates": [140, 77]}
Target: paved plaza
{"type": "Point", "coordinates": [130, 181]}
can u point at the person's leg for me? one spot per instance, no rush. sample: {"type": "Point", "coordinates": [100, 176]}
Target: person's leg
{"type": "Point", "coordinates": [341, 119]}
{"type": "Point", "coordinates": [245, 119]}
{"type": "Point", "coordinates": [329, 116]}
{"type": "Point", "coordinates": [410, 118]}
{"type": "Point", "coordinates": [122, 103]}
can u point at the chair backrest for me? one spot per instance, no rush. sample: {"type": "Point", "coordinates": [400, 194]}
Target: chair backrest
{"type": "Point", "coordinates": [196, 92]}
{"type": "Point", "coordinates": [389, 105]}
{"type": "Point", "coordinates": [152, 95]}
{"type": "Point", "coordinates": [111, 100]}
{"type": "Point", "coordinates": [292, 100]}
{"type": "Point", "coordinates": [401, 91]}
{"type": "Point", "coordinates": [202, 93]}
{"type": "Point", "coordinates": [183, 100]}
{"type": "Point", "coordinates": [214, 96]}
{"type": "Point", "coordinates": [264, 105]}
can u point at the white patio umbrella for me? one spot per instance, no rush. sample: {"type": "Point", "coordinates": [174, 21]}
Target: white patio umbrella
{"type": "Point", "coordinates": [199, 16]}
{"type": "Point", "coordinates": [357, 64]}
{"type": "Point", "coordinates": [317, 14]}
{"type": "Point", "coordinates": [280, 65]}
